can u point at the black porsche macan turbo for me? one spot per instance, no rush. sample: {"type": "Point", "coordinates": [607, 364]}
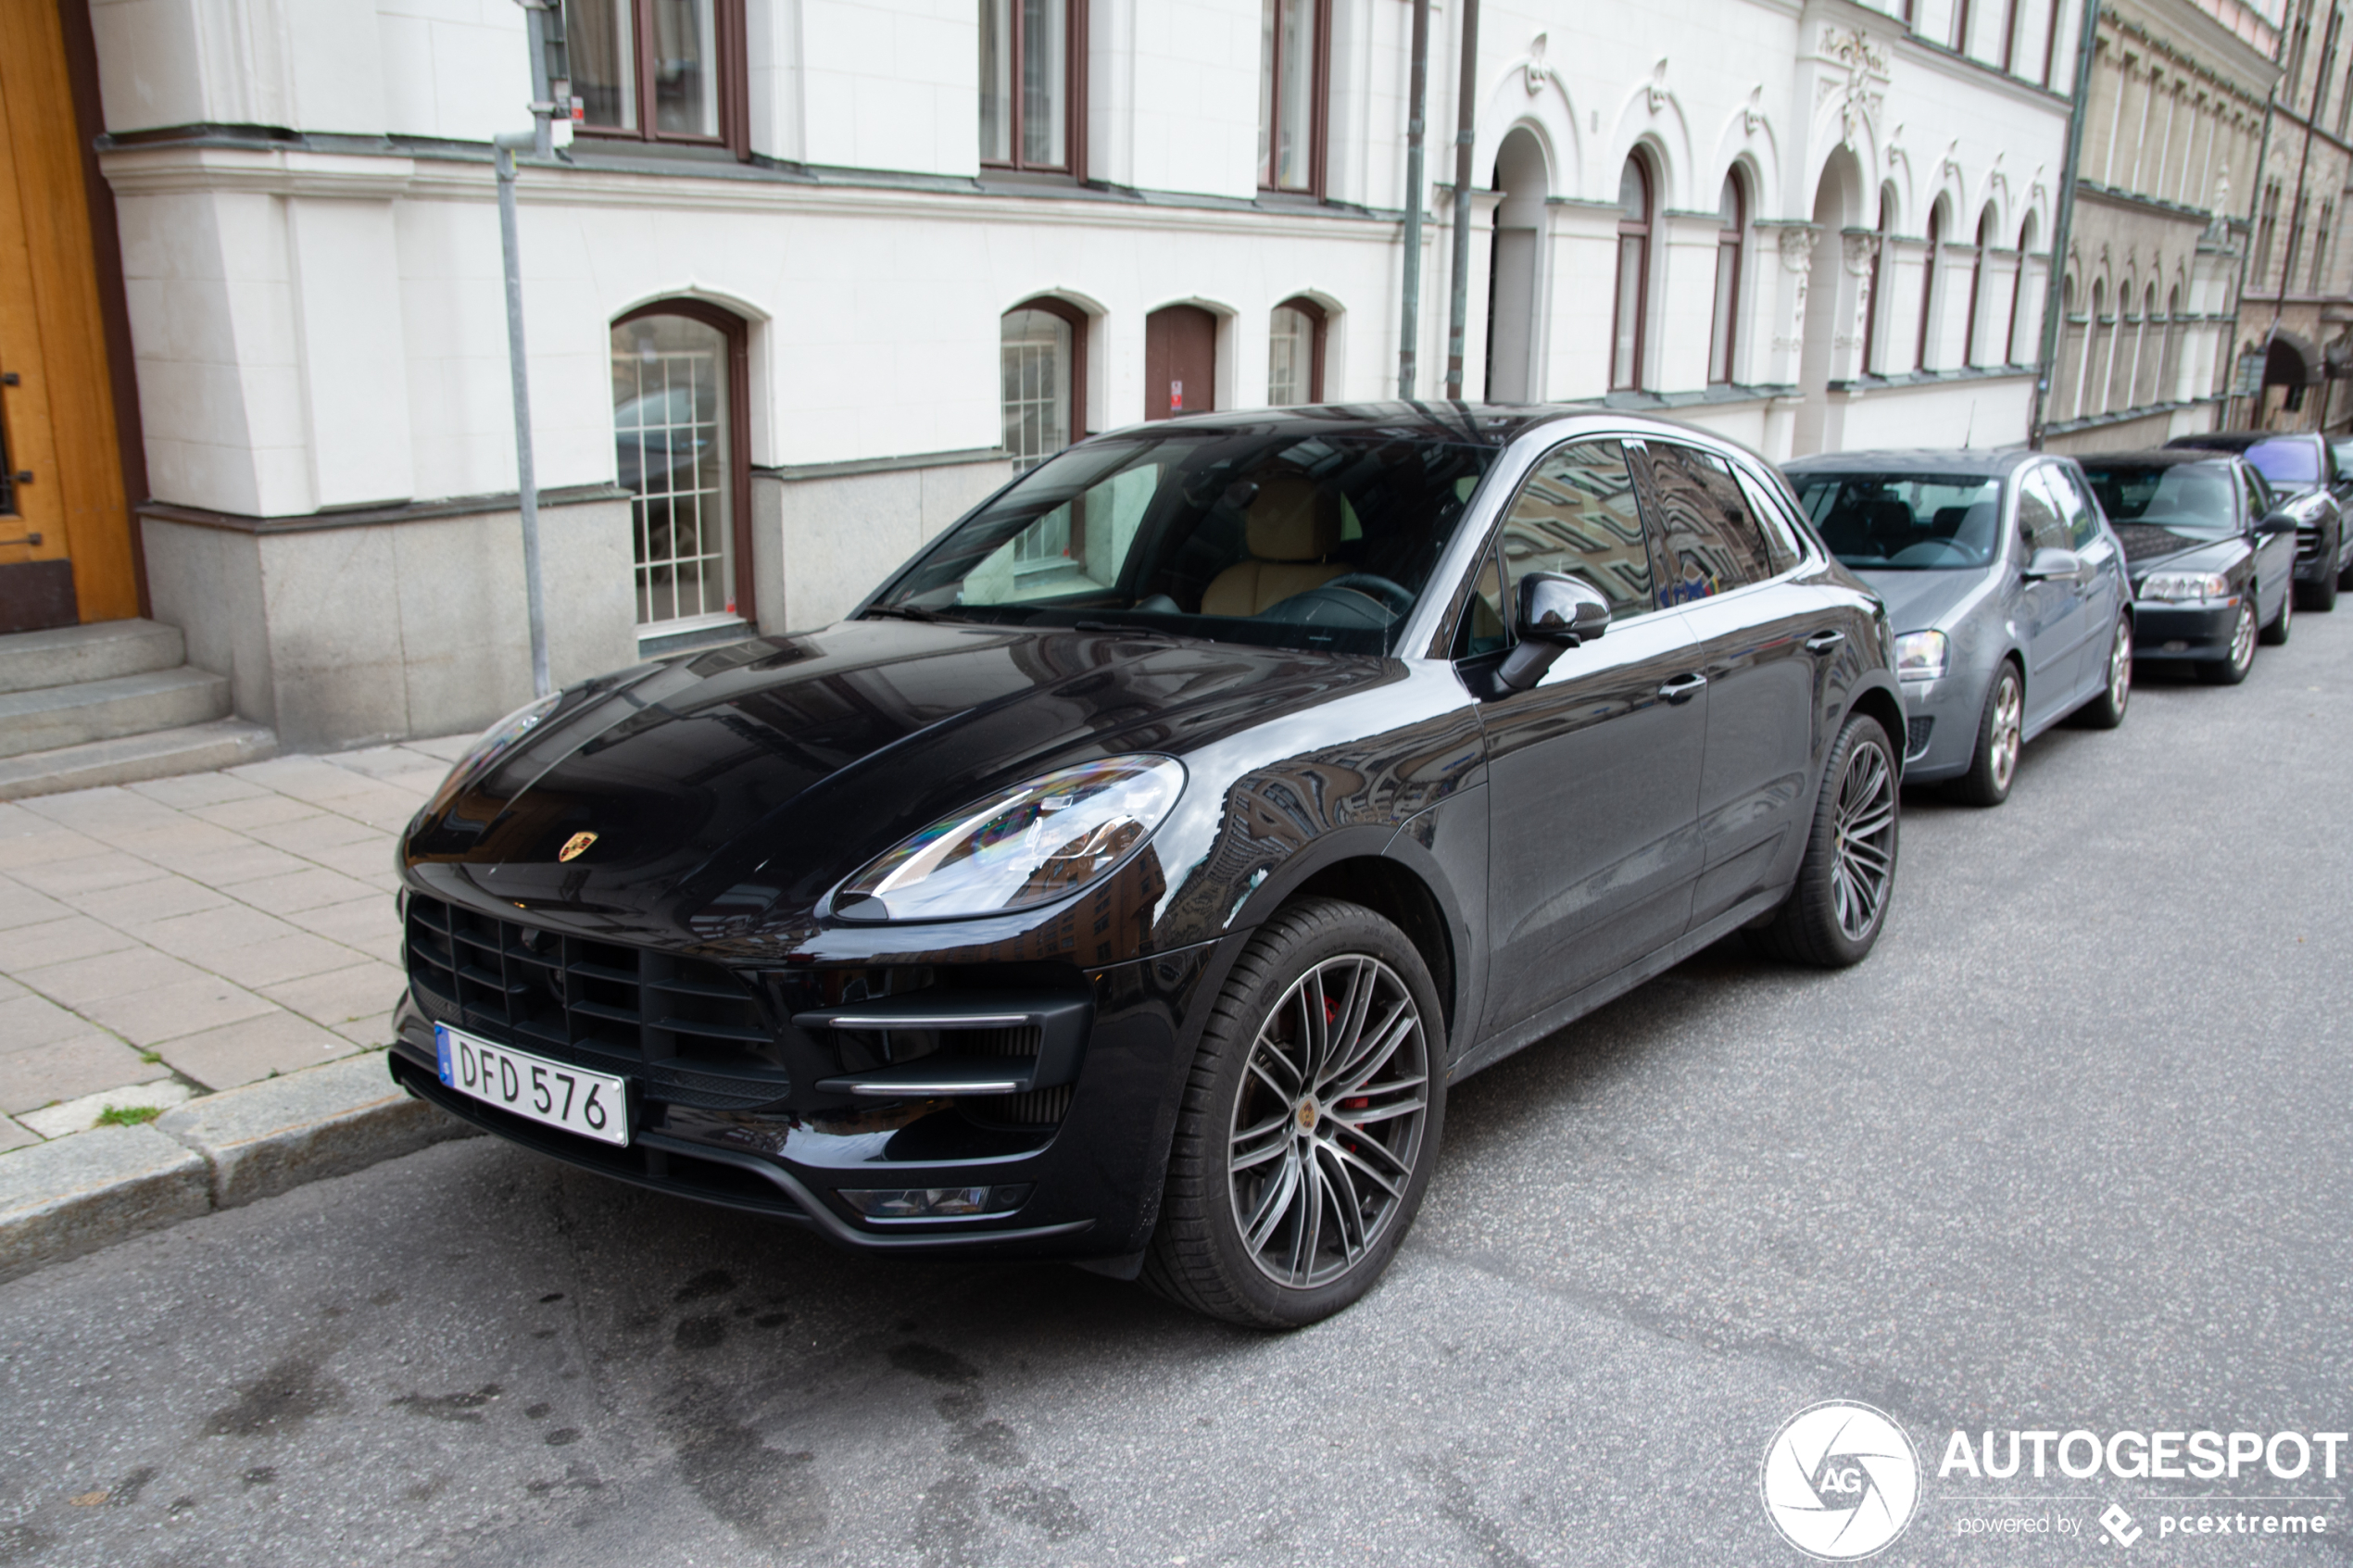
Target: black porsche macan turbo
{"type": "Point", "coordinates": [1128, 878]}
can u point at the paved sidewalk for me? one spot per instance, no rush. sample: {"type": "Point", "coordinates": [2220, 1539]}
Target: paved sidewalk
{"type": "Point", "coordinates": [170, 938]}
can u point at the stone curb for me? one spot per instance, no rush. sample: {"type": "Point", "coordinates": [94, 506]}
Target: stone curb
{"type": "Point", "coordinates": [60, 1199]}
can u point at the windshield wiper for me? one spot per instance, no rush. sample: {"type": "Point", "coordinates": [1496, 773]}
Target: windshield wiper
{"type": "Point", "coordinates": [904, 612]}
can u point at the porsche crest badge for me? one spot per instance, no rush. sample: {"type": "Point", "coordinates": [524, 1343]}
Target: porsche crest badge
{"type": "Point", "coordinates": [575, 847]}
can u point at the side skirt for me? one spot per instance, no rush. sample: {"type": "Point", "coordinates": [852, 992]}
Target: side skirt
{"type": "Point", "coordinates": [1495, 1048]}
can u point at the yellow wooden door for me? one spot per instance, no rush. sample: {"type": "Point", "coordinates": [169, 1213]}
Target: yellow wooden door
{"type": "Point", "coordinates": [64, 500]}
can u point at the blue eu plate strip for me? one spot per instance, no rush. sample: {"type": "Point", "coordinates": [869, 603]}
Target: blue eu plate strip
{"type": "Point", "coordinates": [441, 1050]}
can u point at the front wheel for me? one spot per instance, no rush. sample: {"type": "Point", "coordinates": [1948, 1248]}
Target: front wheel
{"type": "Point", "coordinates": [2283, 622]}
{"type": "Point", "coordinates": [1309, 1124]}
{"type": "Point", "coordinates": [2106, 711]}
{"type": "Point", "coordinates": [2000, 729]}
{"type": "Point", "coordinates": [1838, 905]}
{"type": "Point", "coordinates": [2232, 668]}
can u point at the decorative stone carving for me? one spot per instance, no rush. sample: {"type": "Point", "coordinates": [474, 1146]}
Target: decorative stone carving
{"type": "Point", "coordinates": [1860, 246]}
{"type": "Point", "coordinates": [1752, 112]}
{"type": "Point", "coordinates": [1534, 71]}
{"type": "Point", "coordinates": [1865, 70]}
{"type": "Point", "coordinates": [1657, 91]}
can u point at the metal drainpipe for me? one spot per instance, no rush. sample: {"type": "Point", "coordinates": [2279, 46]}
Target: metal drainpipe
{"type": "Point", "coordinates": [540, 140]}
{"type": "Point", "coordinates": [2062, 226]}
{"type": "Point", "coordinates": [1410, 328]}
{"type": "Point", "coordinates": [1465, 136]}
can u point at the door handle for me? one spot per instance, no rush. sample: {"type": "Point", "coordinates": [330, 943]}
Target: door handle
{"type": "Point", "coordinates": [1682, 688]}
{"type": "Point", "coordinates": [1822, 642]}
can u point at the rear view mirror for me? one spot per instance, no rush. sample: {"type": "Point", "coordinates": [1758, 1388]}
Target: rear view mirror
{"type": "Point", "coordinates": [2277, 522]}
{"type": "Point", "coordinates": [2048, 565]}
{"type": "Point", "coordinates": [1551, 613]}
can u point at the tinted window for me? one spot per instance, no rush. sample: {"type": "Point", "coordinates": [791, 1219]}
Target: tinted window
{"type": "Point", "coordinates": [2258, 498]}
{"type": "Point", "coordinates": [2294, 463]}
{"type": "Point", "coordinates": [2041, 522]}
{"type": "Point", "coordinates": [1711, 544]}
{"type": "Point", "coordinates": [1485, 627]}
{"type": "Point", "coordinates": [2076, 506]}
{"type": "Point", "coordinates": [1281, 534]}
{"type": "Point", "coordinates": [1577, 514]}
{"type": "Point", "coordinates": [2171, 495]}
{"type": "Point", "coordinates": [1905, 522]}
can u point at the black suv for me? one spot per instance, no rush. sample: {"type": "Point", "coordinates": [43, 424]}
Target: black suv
{"type": "Point", "coordinates": [2301, 470]}
{"type": "Point", "coordinates": [1128, 878]}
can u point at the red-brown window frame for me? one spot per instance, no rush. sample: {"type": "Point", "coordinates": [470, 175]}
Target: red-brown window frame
{"type": "Point", "coordinates": [1318, 108]}
{"type": "Point", "coordinates": [737, 332]}
{"type": "Point", "coordinates": [733, 83]}
{"type": "Point", "coordinates": [1320, 320]}
{"type": "Point", "coordinates": [1928, 283]}
{"type": "Point", "coordinates": [1074, 98]}
{"type": "Point", "coordinates": [1077, 321]}
{"type": "Point", "coordinates": [1629, 229]}
{"type": "Point", "coordinates": [1734, 238]}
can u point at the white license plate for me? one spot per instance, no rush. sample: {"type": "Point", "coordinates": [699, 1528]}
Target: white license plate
{"type": "Point", "coordinates": [594, 1105]}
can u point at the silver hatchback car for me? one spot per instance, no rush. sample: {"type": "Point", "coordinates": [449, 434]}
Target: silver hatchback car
{"type": "Point", "coordinates": [2008, 590]}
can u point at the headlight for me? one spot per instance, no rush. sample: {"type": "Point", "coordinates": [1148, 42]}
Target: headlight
{"type": "Point", "coordinates": [495, 742]}
{"type": "Point", "coordinates": [1022, 847]}
{"type": "Point", "coordinates": [2181, 587]}
{"type": "Point", "coordinates": [1919, 655]}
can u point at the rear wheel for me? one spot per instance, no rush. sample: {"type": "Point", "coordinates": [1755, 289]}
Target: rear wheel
{"type": "Point", "coordinates": [2276, 633]}
{"type": "Point", "coordinates": [2106, 711]}
{"type": "Point", "coordinates": [2001, 729]}
{"type": "Point", "coordinates": [1309, 1124]}
{"type": "Point", "coordinates": [1836, 908]}
{"type": "Point", "coordinates": [2232, 668]}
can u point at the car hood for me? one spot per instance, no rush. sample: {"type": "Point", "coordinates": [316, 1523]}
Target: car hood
{"type": "Point", "coordinates": [2148, 546]}
{"type": "Point", "coordinates": [737, 787]}
{"type": "Point", "coordinates": [1918, 600]}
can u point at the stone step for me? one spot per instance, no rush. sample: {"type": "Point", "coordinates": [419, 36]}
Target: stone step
{"type": "Point", "coordinates": [71, 655]}
{"type": "Point", "coordinates": [192, 748]}
{"type": "Point", "coordinates": [125, 705]}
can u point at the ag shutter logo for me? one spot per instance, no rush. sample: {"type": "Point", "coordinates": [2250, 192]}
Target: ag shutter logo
{"type": "Point", "coordinates": [1841, 1481]}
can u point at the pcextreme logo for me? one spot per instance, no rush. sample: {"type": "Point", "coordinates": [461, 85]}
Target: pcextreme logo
{"type": "Point", "coordinates": [1841, 1481]}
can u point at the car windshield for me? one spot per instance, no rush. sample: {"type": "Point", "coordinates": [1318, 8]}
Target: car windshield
{"type": "Point", "coordinates": [2294, 463]}
{"type": "Point", "coordinates": [1905, 522]}
{"type": "Point", "coordinates": [2180, 497]}
{"type": "Point", "coordinates": [1280, 534]}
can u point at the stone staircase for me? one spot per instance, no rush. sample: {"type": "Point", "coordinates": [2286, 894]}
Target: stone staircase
{"type": "Point", "coordinates": [109, 704]}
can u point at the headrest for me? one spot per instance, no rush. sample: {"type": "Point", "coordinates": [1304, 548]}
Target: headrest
{"type": "Point", "coordinates": [1890, 517]}
{"type": "Point", "coordinates": [1293, 519]}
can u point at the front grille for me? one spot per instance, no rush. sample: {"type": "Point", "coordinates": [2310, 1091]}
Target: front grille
{"type": "Point", "coordinates": [691, 1029]}
{"type": "Point", "coordinates": [1916, 733]}
{"type": "Point", "coordinates": [1039, 1107]}
{"type": "Point", "coordinates": [2308, 543]}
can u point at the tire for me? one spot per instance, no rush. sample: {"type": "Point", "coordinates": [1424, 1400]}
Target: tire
{"type": "Point", "coordinates": [1838, 906]}
{"type": "Point", "coordinates": [2106, 711]}
{"type": "Point", "coordinates": [2276, 633]}
{"type": "Point", "coordinates": [1261, 1034]}
{"type": "Point", "coordinates": [2319, 597]}
{"type": "Point", "coordinates": [2230, 670]}
{"type": "Point", "coordinates": [2001, 729]}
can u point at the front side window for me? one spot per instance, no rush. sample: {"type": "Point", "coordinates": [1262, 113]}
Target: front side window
{"type": "Point", "coordinates": [1905, 521]}
{"type": "Point", "coordinates": [2076, 505]}
{"type": "Point", "coordinates": [1291, 67]}
{"type": "Point", "coordinates": [2041, 518]}
{"type": "Point", "coordinates": [1280, 534]}
{"type": "Point", "coordinates": [1633, 275]}
{"type": "Point", "coordinates": [654, 69]}
{"type": "Point", "coordinates": [1711, 542]}
{"type": "Point", "coordinates": [1027, 75]}
{"type": "Point", "coordinates": [1577, 514]}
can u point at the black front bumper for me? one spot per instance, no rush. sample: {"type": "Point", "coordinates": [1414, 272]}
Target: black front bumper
{"type": "Point", "coordinates": [1094, 1177]}
{"type": "Point", "coordinates": [2193, 631]}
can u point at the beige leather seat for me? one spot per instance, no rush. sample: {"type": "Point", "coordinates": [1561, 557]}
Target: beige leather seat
{"type": "Point", "coordinates": [1292, 525]}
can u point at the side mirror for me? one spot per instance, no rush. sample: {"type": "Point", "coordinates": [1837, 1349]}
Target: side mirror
{"type": "Point", "coordinates": [2276, 522]}
{"type": "Point", "coordinates": [1551, 613]}
{"type": "Point", "coordinates": [2051, 564]}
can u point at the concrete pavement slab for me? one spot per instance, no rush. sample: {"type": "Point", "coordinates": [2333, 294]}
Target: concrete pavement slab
{"type": "Point", "coordinates": [371, 1032]}
{"type": "Point", "coordinates": [20, 906]}
{"type": "Point", "coordinates": [257, 811]}
{"type": "Point", "coordinates": [75, 1195]}
{"type": "Point", "coordinates": [126, 972]}
{"type": "Point", "coordinates": [342, 996]}
{"type": "Point", "coordinates": [15, 1135]}
{"type": "Point", "coordinates": [143, 903]}
{"type": "Point", "coordinates": [311, 888]}
{"type": "Point", "coordinates": [85, 874]}
{"type": "Point", "coordinates": [363, 919]}
{"type": "Point", "coordinates": [33, 1078]}
{"type": "Point", "coordinates": [171, 1012]}
{"type": "Point", "coordinates": [67, 1117]}
{"type": "Point", "coordinates": [197, 936]}
{"type": "Point", "coordinates": [249, 1051]}
{"type": "Point", "coordinates": [322, 1123]}
{"type": "Point", "coordinates": [28, 1020]}
{"type": "Point", "coordinates": [280, 958]}
{"type": "Point", "coordinates": [76, 936]}
{"type": "Point", "coordinates": [196, 789]}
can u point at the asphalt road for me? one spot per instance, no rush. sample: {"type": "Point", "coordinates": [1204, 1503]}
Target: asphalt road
{"type": "Point", "coordinates": [2070, 1150]}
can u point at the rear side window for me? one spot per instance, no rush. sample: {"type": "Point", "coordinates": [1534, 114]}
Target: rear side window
{"type": "Point", "coordinates": [2041, 522]}
{"type": "Point", "coordinates": [1577, 514]}
{"type": "Point", "coordinates": [1712, 544]}
{"type": "Point", "coordinates": [1766, 505]}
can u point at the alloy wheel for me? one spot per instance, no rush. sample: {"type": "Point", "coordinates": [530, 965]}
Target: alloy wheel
{"type": "Point", "coordinates": [1329, 1122]}
{"type": "Point", "coordinates": [2243, 635]}
{"type": "Point", "coordinates": [2120, 669]}
{"type": "Point", "coordinates": [2010, 726]}
{"type": "Point", "coordinates": [1866, 842]}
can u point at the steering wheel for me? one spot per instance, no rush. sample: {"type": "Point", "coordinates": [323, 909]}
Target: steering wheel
{"type": "Point", "coordinates": [1374, 587]}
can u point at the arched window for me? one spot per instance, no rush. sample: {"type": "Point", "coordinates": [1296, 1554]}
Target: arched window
{"type": "Point", "coordinates": [1295, 354]}
{"type": "Point", "coordinates": [2069, 368]}
{"type": "Point", "coordinates": [2169, 370]}
{"type": "Point", "coordinates": [2087, 388]}
{"type": "Point", "coordinates": [1041, 366]}
{"type": "Point", "coordinates": [1929, 266]}
{"type": "Point", "coordinates": [2122, 346]}
{"type": "Point", "coordinates": [1977, 286]}
{"type": "Point", "coordinates": [679, 381]}
{"type": "Point", "coordinates": [1731, 245]}
{"type": "Point", "coordinates": [1633, 275]}
{"type": "Point", "coordinates": [1874, 362]}
{"type": "Point", "coordinates": [2013, 351]}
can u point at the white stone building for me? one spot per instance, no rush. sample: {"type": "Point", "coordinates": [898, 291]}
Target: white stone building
{"type": "Point", "coordinates": [812, 275]}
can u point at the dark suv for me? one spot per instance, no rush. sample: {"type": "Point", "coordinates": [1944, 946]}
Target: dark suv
{"type": "Point", "coordinates": [1128, 878]}
{"type": "Point", "coordinates": [2302, 471]}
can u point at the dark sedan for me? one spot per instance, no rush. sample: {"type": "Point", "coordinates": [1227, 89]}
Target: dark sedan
{"type": "Point", "coordinates": [2301, 471]}
{"type": "Point", "coordinates": [2211, 560]}
{"type": "Point", "coordinates": [1126, 879]}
